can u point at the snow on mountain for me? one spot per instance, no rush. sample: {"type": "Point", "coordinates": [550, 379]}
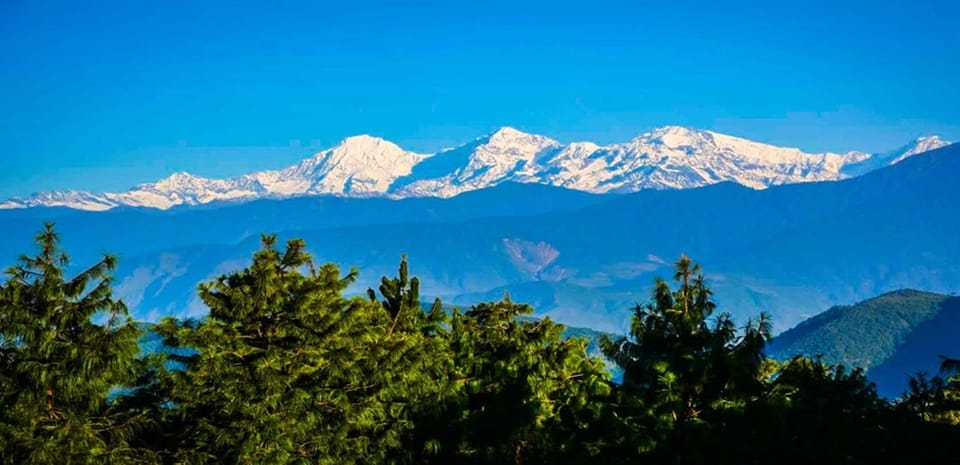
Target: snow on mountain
{"type": "Point", "coordinates": [676, 158]}
{"type": "Point", "coordinates": [920, 145]}
{"type": "Point", "coordinates": [670, 157]}
{"type": "Point", "coordinates": [72, 199]}
{"type": "Point", "coordinates": [184, 188]}
{"type": "Point", "coordinates": [358, 166]}
{"type": "Point", "coordinates": [869, 163]}
{"type": "Point", "coordinates": [505, 155]}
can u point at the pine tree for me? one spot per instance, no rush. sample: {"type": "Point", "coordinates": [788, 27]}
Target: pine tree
{"type": "Point", "coordinates": [935, 399]}
{"type": "Point", "coordinates": [527, 392]}
{"type": "Point", "coordinates": [401, 301]}
{"type": "Point", "coordinates": [424, 330]}
{"type": "Point", "coordinates": [65, 345]}
{"type": "Point", "coordinates": [681, 359]}
{"type": "Point", "coordinates": [684, 368]}
{"type": "Point", "coordinates": [285, 369]}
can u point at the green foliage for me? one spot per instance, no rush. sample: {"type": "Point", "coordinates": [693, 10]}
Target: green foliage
{"type": "Point", "coordinates": [862, 335]}
{"type": "Point", "coordinates": [286, 369]}
{"type": "Point", "coordinates": [932, 399]}
{"type": "Point", "coordinates": [681, 360]}
{"type": "Point", "coordinates": [522, 381]}
{"type": "Point", "coordinates": [65, 344]}
{"type": "Point", "coordinates": [935, 399]}
{"type": "Point", "coordinates": [684, 366]}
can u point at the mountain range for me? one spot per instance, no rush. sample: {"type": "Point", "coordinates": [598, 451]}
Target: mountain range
{"type": "Point", "coordinates": [582, 258]}
{"type": "Point", "coordinates": [670, 157]}
{"type": "Point", "coordinates": [877, 224]}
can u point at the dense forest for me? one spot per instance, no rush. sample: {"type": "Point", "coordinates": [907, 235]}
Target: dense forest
{"type": "Point", "coordinates": [287, 369]}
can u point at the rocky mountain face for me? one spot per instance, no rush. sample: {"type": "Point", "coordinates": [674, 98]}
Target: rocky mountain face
{"type": "Point", "coordinates": [671, 157]}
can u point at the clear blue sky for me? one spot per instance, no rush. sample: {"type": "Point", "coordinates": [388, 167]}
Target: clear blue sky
{"type": "Point", "coordinates": [109, 94]}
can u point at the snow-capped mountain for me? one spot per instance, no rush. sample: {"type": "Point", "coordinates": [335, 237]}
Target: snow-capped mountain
{"type": "Point", "coordinates": [671, 157]}
{"type": "Point", "coordinates": [869, 163]}
{"type": "Point", "coordinates": [675, 158]}
{"type": "Point", "coordinates": [505, 155]}
{"type": "Point", "coordinates": [178, 189]}
{"type": "Point", "coordinates": [358, 166]}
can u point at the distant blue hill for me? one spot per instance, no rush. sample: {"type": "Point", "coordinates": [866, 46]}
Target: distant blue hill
{"type": "Point", "coordinates": [137, 231]}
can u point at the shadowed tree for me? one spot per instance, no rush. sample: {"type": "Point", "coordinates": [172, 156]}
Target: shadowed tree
{"type": "Point", "coordinates": [935, 399]}
{"type": "Point", "coordinates": [925, 397]}
{"type": "Point", "coordinates": [528, 395]}
{"type": "Point", "coordinates": [812, 412]}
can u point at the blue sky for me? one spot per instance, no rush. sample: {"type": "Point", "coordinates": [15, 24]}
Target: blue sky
{"type": "Point", "coordinates": [111, 94]}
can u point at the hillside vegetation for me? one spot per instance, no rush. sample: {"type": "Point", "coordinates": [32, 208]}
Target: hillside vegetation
{"type": "Point", "coordinates": [864, 334]}
{"type": "Point", "coordinates": [889, 336]}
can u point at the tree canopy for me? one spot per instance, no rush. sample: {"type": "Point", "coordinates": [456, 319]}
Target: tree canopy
{"type": "Point", "coordinates": [288, 367]}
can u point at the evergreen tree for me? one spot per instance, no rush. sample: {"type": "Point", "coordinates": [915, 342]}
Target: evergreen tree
{"type": "Point", "coordinates": [288, 370]}
{"type": "Point", "coordinates": [424, 330]}
{"type": "Point", "coordinates": [685, 368]}
{"type": "Point", "coordinates": [528, 395]}
{"type": "Point", "coordinates": [285, 369]}
{"type": "Point", "coordinates": [679, 358]}
{"type": "Point", "coordinates": [810, 412]}
{"type": "Point", "coordinates": [935, 399]}
{"type": "Point", "coordinates": [65, 345]}
{"type": "Point", "coordinates": [401, 301]}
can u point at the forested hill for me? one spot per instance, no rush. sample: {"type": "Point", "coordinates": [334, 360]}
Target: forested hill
{"type": "Point", "coordinates": [892, 336]}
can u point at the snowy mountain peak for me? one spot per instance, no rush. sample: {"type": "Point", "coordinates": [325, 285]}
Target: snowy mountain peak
{"type": "Point", "coordinates": [365, 143]}
{"type": "Point", "coordinates": [359, 147]}
{"type": "Point", "coordinates": [508, 133]}
{"type": "Point", "coordinates": [66, 198]}
{"type": "Point", "coordinates": [918, 145]}
{"type": "Point", "coordinates": [508, 136]}
{"type": "Point", "coordinates": [507, 154]}
{"type": "Point", "coordinates": [932, 139]}
{"type": "Point", "coordinates": [360, 165]}
{"type": "Point", "coordinates": [674, 137]}
{"type": "Point", "coordinates": [674, 131]}
{"type": "Point", "coordinates": [179, 180]}
{"type": "Point", "coordinates": [368, 149]}
{"type": "Point", "coordinates": [670, 157]}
